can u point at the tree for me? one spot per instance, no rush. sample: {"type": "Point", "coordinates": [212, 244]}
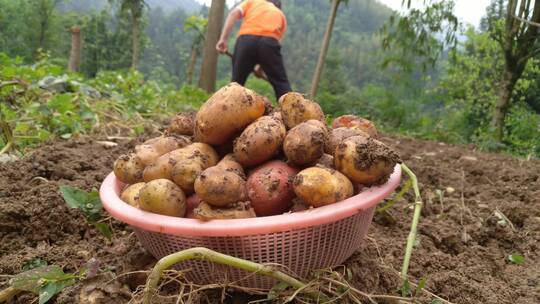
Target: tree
{"type": "Point", "coordinates": [324, 47]}
{"type": "Point", "coordinates": [135, 9]}
{"type": "Point", "coordinates": [207, 80]}
{"type": "Point", "coordinates": [45, 10]}
{"type": "Point", "coordinates": [198, 25]}
{"type": "Point", "coordinates": [519, 38]}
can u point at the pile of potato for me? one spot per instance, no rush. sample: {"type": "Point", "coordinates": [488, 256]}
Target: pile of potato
{"type": "Point", "coordinates": [197, 169]}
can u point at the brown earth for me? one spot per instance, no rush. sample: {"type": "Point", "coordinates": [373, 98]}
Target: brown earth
{"type": "Point", "coordinates": [462, 251]}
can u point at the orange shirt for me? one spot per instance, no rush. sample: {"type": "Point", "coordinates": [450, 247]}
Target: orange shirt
{"type": "Point", "coordinates": [262, 18]}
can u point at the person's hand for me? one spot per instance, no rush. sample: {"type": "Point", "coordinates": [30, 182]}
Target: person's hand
{"type": "Point", "coordinates": [221, 46]}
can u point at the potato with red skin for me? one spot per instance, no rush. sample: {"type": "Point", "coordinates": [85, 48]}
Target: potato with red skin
{"type": "Point", "coordinates": [220, 188]}
{"type": "Point", "coordinates": [230, 110]}
{"type": "Point", "coordinates": [128, 168]}
{"type": "Point", "coordinates": [161, 196]}
{"type": "Point", "coordinates": [260, 141]}
{"type": "Point", "coordinates": [182, 124]}
{"type": "Point", "coordinates": [355, 122]}
{"type": "Point", "coordinates": [304, 144]}
{"type": "Point", "coordinates": [295, 109]}
{"type": "Point", "coordinates": [151, 149]}
{"type": "Point", "coordinates": [338, 135]}
{"type": "Point", "coordinates": [270, 189]}
{"type": "Point", "coordinates": [320, 186]}
{"type": "Point", "coordinates": [130, 195]}
{"type": "Point", "coordinates": [365, 160]}
{"type": "Point", "coordinates": [192, 202]}
{"type": "Point", "coordinates": [207, 212]}
{"type": "Point", "coordinates": [196, 152]}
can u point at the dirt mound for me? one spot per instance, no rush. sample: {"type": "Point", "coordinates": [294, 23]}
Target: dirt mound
{"type": "Point", "coordinates": [465, 238]}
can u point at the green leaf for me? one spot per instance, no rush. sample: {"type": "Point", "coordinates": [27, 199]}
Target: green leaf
{"type": "Point", "coordinates": [33, 280]}
{"type": "Point", "coordinates": [88, 202]}
{"type": "Point", "coordinates": [104, 229]}
{"type": "Point", "coordinates": [436, 301]}
{"type": "Point", "coordinates": [420, 286]}
{"type": "Point", "coordinates": [276, 290]}
{"type": "Point", "coordinates": [75, 198]}
{"type": "Point", "coordinates": [48, 291]}
{"type": "Point", "coordinates": [35, 263]}
{"type": "Point", "coordinates": [516, 259]}
{"type": "Point", "coordinates": [405, 289]}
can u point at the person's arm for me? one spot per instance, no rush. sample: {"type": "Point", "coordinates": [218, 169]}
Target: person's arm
{"type": "Point", "coordinates": [234, 15]}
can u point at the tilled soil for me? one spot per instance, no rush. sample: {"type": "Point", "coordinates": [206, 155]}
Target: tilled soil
{"type": "Point", "coordinates": [479, 208]}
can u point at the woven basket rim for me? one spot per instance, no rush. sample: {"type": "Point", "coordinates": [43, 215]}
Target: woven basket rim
{"type": "Point", "coordinates": [111, 187]}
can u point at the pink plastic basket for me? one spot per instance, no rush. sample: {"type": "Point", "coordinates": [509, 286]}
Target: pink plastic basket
{"type": "Point", "coordinates": [301, 242]}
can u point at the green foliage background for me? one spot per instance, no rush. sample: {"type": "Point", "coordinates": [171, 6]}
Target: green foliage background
{"type": "Point", "coordinates": [451, 100]}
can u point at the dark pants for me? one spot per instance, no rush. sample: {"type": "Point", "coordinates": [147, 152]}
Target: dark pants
{"type": "Point", "coordinates": [251, 50]}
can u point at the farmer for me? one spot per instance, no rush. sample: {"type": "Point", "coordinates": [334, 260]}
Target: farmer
{"type": "Point", "coordinates": [259, 42]}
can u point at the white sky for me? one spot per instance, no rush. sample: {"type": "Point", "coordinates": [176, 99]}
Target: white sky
{"type": "Point", "coordinates": [469, 11]}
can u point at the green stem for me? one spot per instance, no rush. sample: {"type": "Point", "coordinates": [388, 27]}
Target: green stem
{"type": "Point", "coordinates": [8, 134]}
{"type": "Point", "coordinates": [416, 217]}
{"type": "Point", "coordinates": [200, 253]}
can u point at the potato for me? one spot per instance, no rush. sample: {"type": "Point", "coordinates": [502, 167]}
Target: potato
{"type": "Point", "coordinates": [336, 136]}
{"type": "Point", "coordinates": [365, 160]}
{"type": "Point", "coordinates": [270, 189]}
{"type": "Point", "coordinates": [185, 172]}
{"type": "Point", "coordinates": [239, 210]}
{"type": "Point", "coordinates": [130, 195]}
{"type": "Point", "coordinates": [296, 109]}
{"type": "Point", "coordinates": [327, 161]}
{"type": "Point", "coordinates": [196, 152]}
{"type": "Point", "coordinates": [355, 122]}
{"type": "Point", "coordinates": [228, 111]}
{"type": "Point", "coordinates": [319, 186]}
{"type": "Point", "coordinates": [182, 124]}
{"type": "Point", "coordinates": [304, 144]}
{"type": "Point", "coordinates": [229, 163]}
{"type": "Point", "coordinates": [220, 188]}
{"type": "Point", "coordinates": [163, 197]}
{"type": "Point", "coordinates": [260, 141]}
{"type": "Point", "coordinates": [192, 202]}
{"type": "Point", "coordinates": [150, 150]}
{"type": "Point", "coordinates": [129, 168]}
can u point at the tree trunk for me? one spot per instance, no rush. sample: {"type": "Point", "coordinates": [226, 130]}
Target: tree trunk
{"type": "Point", "coordinates": [191, 66]}
{"type": "Point", "coordinates": [135, 39]}
{"type": "Point", "coordinates": [42, 31]}
{"type": "Point", "coordinates": [207, 80]}
{"type": "Point", "coordinates": [509, 79]}
{"type": "Point", "coordinates": [75, 55]}
{"type": "Point", "coordinates": [324, 48]}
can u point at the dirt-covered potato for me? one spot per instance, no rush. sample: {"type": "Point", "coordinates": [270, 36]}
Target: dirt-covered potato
{"type": "Point", "coordinates": [151, 149]}
{"type": "Point", "coordinates": [238, 210]}
{"type": "Point", "coordinates": [219, 187]}
{"type": "Point", "coordinates": [270, 188]}
{"type": "Point", "coordinates": [129, 168]}
{"type": "Point", "coordinates": [260, 141]}
{"type": "Point", "coordinates": [229, 163]}
{"type": "Point", "coordinates": [228, 111]}
{"type": "Point", "coordinates": [182, 124]}
{"type": "Point", "coordinates": [365, 160]}
{"type": "Point", "coordinates": [326, 160]}
{"type": "Point", "coordinates": [319, 186]}
{"type": "Point", "coordinates": [196, 152]}
{"type": "Point", "coordinates": [336, 136]}
{"type": "Point", "coordinates": [184, 174]}
{"type": "Point", "coordinates": [355, 122]}
{"type": "Point", "coordinates": [163, 197]}
{"type": "Point", "coordinates": [304, 144]}
{"type": "Point", "coordinates": [130, 195]}
{"type": "Point", "coordinates": [296, 109]}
